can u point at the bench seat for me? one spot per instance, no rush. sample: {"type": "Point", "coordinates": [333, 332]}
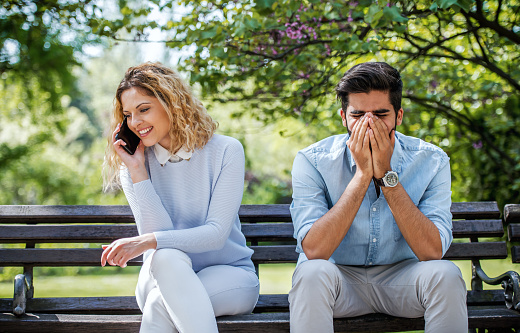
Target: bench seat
{"type": "Point", "coordinates": [481, 316]}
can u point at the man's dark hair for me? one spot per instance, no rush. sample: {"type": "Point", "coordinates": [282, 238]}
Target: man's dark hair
{"type": "Point", "coordinates": [368, 76]}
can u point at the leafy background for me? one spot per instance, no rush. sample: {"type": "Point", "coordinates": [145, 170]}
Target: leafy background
{"type": "Point", "coordinates": [266, 71]}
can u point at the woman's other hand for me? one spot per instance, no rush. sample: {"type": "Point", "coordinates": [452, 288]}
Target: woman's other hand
{"type": "Point", "coordinates": [122, 250]}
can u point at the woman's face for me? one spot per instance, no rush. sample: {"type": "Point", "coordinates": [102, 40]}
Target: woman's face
{"type": "Point", "coordinates": [146, 117]}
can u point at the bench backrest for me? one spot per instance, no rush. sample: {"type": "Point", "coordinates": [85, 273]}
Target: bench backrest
{"type": "Point", "coordinates": [260, 223]}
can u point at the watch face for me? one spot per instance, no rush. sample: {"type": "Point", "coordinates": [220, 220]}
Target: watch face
{"type": "Point", "coordinates": [391, 179]}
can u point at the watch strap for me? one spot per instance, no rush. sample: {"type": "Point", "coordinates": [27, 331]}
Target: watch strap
{"type": "Point", "coordinates": [379, 182]}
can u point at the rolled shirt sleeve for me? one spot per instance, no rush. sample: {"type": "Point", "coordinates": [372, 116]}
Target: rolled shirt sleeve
{"type": "Point", "coordinates": [309, 197]}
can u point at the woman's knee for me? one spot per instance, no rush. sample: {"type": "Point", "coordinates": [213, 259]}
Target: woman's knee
{"type": "Point", "coordinates": [169, 258]}
{"type": "Point", "coordinates": [232, 290]}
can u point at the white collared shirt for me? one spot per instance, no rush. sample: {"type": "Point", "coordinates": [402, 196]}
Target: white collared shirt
{"type": "Point", "coordinates": [163, 155]}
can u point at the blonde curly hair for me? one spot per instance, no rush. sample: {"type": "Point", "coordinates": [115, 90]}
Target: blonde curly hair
{"type": "Point", "coordinates": [190, 124]}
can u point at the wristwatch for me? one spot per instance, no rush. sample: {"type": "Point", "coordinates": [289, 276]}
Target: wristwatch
{"type": "Point", "coordinates": [389, 180]}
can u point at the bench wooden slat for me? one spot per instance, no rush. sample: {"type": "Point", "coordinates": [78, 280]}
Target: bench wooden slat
{"type": "Point", "coordinates": [477, 228]}
{"type": "Point", "coordinates": [263, 322]}
{"type": "Point", "coordinates": [512, 213]}
{"type": "Point", "coordinates": [515, 254]}
{"type": "Point", "coordinates": [475, 210]}
{"type": "Point", "coordinates": [513, 232]}
{"type": "Point", "coordinates": [74, 233]}
{"type": "Point", "coordinates": [248, 213]}
{"type": "Point", "coordinates": [118, 213]}
{"type": "Point", "coordinates": [91, 257]}
{"type": "Point", "coordinates": [263, 254]}
{"type": "Point", "coordinates": [484, 250]}
{"type": "Point", "coordinates": [265, 213]}
{"type": "Point", "coordinates": [66, 214]}
{"type": "Point", "coordinates": [128, 304]}
{"type": "Point", "coordinates": [70, 233]}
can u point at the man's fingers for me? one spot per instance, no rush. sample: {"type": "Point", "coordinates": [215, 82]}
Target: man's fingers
{"type": "Point", "coordinates": [381, 129]}
{"type": "Point", "coordinates": [369, 138]}
{"type": "Point", "coordinates": [354, 134]}
{"type": "Point", "coordinates": [362, 133]}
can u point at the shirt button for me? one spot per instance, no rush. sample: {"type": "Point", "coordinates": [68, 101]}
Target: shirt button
{"type": "Point", "coordinates": [374, 209]}
{"type": "Point", "coordinates": [374, 240]}
{"type": "Point", "coordinates": [370, 263]}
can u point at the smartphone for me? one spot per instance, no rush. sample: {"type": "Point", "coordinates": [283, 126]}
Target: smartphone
{"type": "Point", "coordinates": [130, 138]}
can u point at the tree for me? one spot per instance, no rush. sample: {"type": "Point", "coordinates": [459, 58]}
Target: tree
{"type": "Point", "coordinates": [459, 60]}
{"type": "Point", "coordinates": [48, 124]}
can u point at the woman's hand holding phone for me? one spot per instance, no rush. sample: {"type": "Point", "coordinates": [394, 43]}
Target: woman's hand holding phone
{"type": "Point", "coordinates": [135, 162]}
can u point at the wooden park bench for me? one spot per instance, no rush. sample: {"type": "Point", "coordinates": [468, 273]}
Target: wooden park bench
{"type": "Point", "coordinates": [269, 230]}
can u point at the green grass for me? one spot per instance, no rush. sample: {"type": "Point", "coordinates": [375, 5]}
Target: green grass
{"type": "Point", "coordinates": [274, 279]}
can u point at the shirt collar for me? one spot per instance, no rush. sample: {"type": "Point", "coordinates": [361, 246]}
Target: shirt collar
{"type": "Point", "coordinates": [163, 155]}
{"type": "Point", "coordinates": [394, 162]}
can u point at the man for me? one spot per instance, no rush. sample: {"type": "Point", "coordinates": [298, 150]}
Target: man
{"type": "Point", "coordinates": [371, 214]}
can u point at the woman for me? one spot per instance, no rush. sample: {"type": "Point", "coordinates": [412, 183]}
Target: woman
{"type": "Point", "coordinates": [184, 185]}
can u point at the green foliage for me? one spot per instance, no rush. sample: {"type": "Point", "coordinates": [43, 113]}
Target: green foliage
{"type": "Point", "coordinates": [38, 40]}
{"type": "Point", "coordinates": [280, 60]}
{"type": "Point", "coordinates": [52, 139]}
{"type": "Point", "coordinates": [459, 61]}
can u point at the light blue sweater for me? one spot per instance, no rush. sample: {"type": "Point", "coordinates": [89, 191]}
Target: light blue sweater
{"type": "Point", "coordinates": [193, 205]}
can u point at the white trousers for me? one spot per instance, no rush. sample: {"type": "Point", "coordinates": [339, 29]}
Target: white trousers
{"type": "Point", "coordinates": [173, 298]}
{"type": "Point", "coordinates": [434, 289]}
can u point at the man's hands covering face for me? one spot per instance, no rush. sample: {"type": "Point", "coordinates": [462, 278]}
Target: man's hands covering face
{"type": "Point", "coordinates": [382, 145]}
{"type": "Point", "coordinates": [371, 146]}
{"type": "Point", "coordinates": [359, 145]}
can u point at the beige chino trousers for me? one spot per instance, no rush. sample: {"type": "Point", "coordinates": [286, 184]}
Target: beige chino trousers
{"type": "Point", "coordinates": [434, 289]}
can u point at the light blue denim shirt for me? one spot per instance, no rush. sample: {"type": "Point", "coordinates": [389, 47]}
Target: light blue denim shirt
{"type": "Point", "coordinates": [322, 171]}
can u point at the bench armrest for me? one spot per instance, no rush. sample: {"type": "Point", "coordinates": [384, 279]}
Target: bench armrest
{"type": "Point", "coordinates": [510, 281]}
{"type": "Point", "coordinates": [21, 291]}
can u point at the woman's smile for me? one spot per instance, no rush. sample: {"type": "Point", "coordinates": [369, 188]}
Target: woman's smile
{"type": "Point", "coordinates": [144, 132]}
